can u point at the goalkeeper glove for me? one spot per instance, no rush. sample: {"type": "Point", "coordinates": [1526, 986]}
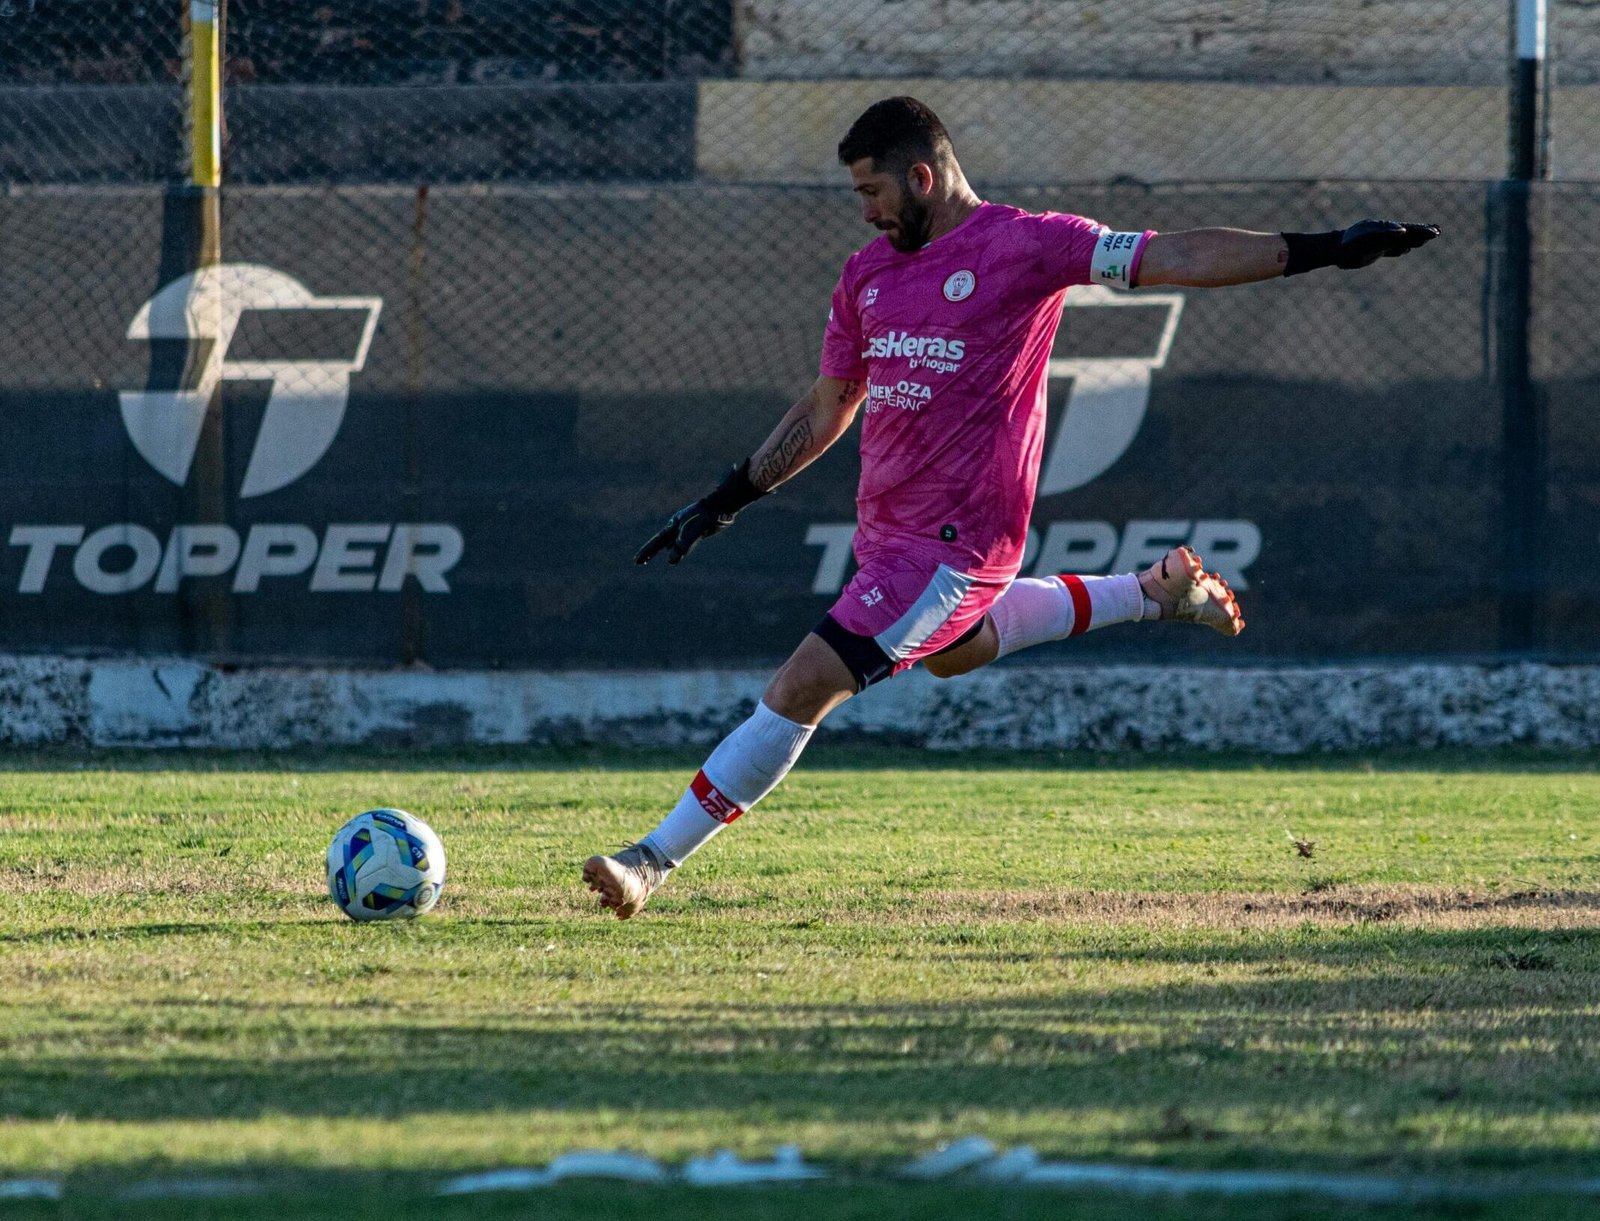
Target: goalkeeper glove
{"type": "Point", "coordinates": [1363, 243]}
{"type": "Point", "coordinates": [712, 512]}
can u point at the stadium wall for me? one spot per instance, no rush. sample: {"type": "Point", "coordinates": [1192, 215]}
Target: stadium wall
{"type": "Point", "coordinates": [1345, 41]}
{"type": "Point", "coordinates": [178, 702]}
{"type": "Point", "coordinates": [766, 132]}
{"type": "Point", "coordinates": [1047, 131]}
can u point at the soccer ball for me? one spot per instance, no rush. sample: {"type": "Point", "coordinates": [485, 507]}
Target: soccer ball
{"type": "Point", "coordinates": [385, 865]}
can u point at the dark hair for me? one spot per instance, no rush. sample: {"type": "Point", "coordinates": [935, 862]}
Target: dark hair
{"type": "Point", "coordinates": [897, 133]}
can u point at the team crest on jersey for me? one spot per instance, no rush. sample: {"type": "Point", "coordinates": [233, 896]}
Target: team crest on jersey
{"type": "Point", "coordinates": [960, 285]}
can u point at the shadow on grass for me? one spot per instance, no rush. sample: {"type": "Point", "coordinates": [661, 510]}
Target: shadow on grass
{"type": "Point", "coordinates": [134, 933]}
{"type": "Point", "coordinates": [1425, 1031]}
{"type": "Point", "coordinates": [392, 1197]}
{"type": "Point", "coordinates": [843, 752]}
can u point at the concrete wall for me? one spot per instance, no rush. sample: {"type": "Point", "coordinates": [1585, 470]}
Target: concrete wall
{"type": "Point", "coordinates": [177, 702]}
{"type": "Point", "coordinates": [1341, 41]}
{"type": "Point", "coordinates": [1053, 131]}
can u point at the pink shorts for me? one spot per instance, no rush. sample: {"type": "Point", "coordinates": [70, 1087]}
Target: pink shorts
{"type": "Point", "coordinates": [900, 608]}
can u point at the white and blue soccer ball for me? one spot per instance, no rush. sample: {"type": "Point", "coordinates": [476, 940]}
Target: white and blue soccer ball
{"type": "Point", "coordinates": [385, 865]}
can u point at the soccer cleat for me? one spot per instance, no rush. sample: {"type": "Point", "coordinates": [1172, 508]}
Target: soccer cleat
{"type": "Point", "coordinates": [625, 881]}
{"type": "Point", "coordinates": [1185, 591]}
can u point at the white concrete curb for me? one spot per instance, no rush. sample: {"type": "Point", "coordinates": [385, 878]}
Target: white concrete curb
{"type": "Point", "coordinates": [173, 702]}
{"type": "Point", "coordinates": [29, 1189]}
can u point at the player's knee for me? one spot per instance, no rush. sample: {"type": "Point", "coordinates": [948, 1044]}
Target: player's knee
{"type": "Point", "coordinates": [809, 685]}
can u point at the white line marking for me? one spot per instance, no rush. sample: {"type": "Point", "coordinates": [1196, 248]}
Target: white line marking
{"type": "Point", "coordinates": [724, 1169]}
{"type": "Point", "coordinates": [29, 1189]}
{"type": "Point", "coordinates": [975, 1159]}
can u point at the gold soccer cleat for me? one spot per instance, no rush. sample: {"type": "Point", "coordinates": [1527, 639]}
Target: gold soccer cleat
{"type": "Point", "coordinates": [625, 881]}
{"type": "Point", "coordinates": [1185, 591]}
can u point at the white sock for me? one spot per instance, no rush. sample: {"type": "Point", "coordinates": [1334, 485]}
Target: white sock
{"type": "Point", "coordinates": [1036, 609]}
{"type": "Point", "coordinates": [744, 768]}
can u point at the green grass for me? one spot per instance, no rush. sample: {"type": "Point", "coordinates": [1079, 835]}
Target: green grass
{"type": "Point", "coordinates": [1109, 960]}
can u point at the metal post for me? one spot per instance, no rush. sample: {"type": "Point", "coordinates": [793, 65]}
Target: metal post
{"type": "Point", "coordinates": [413, 621]}
{"type": "Point", "coordinates": [1522, 409]}
{"type": "Point", "coordinates": [206, 611]}
{"type": "Point", "coordinates": [1527, 72]}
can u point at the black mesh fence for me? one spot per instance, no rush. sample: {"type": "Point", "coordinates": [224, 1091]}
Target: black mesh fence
{"type": "Point", "coordinates": [501, 283]}
{"type": "Point", "coordinates": [386, 91]}
{"type": "Point", "coordinates": [90, 93]}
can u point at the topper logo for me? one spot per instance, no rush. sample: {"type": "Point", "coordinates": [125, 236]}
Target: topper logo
{"type": "Point", "coordinates": [305, 405]}
{"type": "Point", "coordinates": [1108, 398]}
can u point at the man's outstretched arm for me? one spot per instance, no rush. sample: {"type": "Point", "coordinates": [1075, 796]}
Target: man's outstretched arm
{"type": "Point", "coordinates": [1212, 258]}
{"type": "Point", "coordinates": [806, 430]}
{"type": "Point", "coordinates": [809, 427]}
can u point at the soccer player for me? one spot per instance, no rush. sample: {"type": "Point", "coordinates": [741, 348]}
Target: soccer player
{"type": "Point", "coordinates": [943, 327]}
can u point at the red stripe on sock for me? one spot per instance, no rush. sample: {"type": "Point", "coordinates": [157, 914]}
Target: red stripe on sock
{"type": "Point", "coordinates": [712, 800]}
{"type": "Point", "coordinates": [1081, 610]}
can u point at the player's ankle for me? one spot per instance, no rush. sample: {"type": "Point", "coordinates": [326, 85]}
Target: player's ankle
{"type": "Point", "coordinates": [1151, 591]}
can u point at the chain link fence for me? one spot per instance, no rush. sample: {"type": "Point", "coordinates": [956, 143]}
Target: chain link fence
{"type": "Point", "coordinates": [595, 244]}
{"type": "Point", "coordinates": [405, 91]}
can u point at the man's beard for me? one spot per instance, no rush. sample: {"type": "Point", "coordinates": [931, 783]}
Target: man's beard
{"type": "Point", "coordinates": [911, 226]}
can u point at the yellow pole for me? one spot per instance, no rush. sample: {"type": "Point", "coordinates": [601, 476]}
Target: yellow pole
{"type": "Point", "coordinates": [206, 613]}
{"type": "Point", "coordinates": [205, 96]}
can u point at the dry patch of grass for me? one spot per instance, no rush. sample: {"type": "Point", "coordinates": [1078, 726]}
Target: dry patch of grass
{"type": "Point", "coordinates": [172, 877]}
{"type": "Point", "coordinates": [1440, 908]}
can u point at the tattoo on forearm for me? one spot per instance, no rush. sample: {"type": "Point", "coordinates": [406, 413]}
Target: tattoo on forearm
{"type": "Point", "coordinates": [781, 460]}
{"type": "Point", "coordinates": [848, 393]}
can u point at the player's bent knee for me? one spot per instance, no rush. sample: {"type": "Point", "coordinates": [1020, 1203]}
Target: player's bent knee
{"type": "Point", "coordinates": [811, 684]}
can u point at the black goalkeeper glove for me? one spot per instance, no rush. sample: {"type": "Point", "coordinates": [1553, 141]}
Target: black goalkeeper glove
{"type": "Point", "coordinates": [712, 512]}
{"type": "Point", "coordinates": [1362, 244]}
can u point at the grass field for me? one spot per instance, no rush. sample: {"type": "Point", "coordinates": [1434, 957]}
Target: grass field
{"type": "Point", "coordinates": [1110, 960]}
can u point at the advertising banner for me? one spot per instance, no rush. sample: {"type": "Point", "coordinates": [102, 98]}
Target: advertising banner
{"type": "Point", "coordinates": [399, 426]}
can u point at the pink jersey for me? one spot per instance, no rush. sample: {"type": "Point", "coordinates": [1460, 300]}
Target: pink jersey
{"type": "Point", "coordinates": [953, 342]}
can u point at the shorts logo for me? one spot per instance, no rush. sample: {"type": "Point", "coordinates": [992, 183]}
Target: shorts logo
{"type": "Point", "coordinates": [960, 285]}
{"type": "Point", "coordinates": [712, 800]}
{"type": "Point", "coordinates": [872, 597]}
